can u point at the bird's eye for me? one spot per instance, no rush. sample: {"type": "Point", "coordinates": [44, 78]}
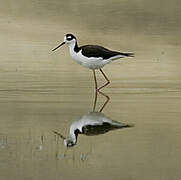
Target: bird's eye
{"type": "Point", "coordinates": [69, 38]}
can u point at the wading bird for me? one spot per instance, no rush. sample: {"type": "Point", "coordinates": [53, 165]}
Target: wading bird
{"type": "Point", "coordinates": [92, 56]}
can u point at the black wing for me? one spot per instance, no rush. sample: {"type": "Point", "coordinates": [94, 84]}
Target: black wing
{"type": "Point", "coordinates": [90, 130]}
{"type": "Point", "coordinates": [99, 51]}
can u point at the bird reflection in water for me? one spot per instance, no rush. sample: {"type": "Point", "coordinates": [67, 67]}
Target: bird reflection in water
{"type": "Point", "coordinates": [93, 123]}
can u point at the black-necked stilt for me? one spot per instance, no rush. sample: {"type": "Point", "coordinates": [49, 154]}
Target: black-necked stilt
{"type": "Point", "coordinates": [92, 56]}
{"type": "Point", "coordinates": [93, 123]}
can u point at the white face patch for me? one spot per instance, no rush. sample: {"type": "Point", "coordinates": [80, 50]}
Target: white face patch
{"type": "Point", "coordinates": [69, 40]}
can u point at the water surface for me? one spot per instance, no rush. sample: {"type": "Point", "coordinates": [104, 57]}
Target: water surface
{"type": "Point", "coordinates": [43, 91]}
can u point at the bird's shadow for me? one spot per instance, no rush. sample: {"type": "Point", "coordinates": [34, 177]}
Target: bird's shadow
{"type": "Point", "coordinates": [91, 124]}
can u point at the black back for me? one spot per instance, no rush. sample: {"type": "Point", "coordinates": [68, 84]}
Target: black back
{"type": "Point", "coordinates": [98, 51]}
{"type": "Point", "coordinates": [90, 130]}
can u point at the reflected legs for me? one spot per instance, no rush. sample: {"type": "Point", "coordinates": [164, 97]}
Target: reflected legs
{"type": "Point", "coordinates": [98, 90]}
{"type": "Point", "coordinates": [105, 78]}
{"type": "Point", "coordinates": [107, 100]}
{"type": "Point", "coordinates": [95, 79]}
{"type": "Point", "coordinates": [95, 100]}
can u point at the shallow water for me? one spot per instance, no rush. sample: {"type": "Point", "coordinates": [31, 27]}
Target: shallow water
{"type": "Point", "coordinates": [43, 91]}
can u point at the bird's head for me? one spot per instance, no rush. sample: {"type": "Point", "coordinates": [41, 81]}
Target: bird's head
{"type": "Point", "coordinates": [69, 39]}
{"type": "Point", "coordinates": [69, 142]}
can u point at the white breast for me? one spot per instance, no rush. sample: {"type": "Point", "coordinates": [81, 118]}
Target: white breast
{"type": "Point", "coordinates": [93, 118]}
{"type": "Point", "coordinates": [88, 62]}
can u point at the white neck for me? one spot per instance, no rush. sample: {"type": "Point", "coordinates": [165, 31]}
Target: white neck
{"type": "Point", "coordinates": [73, 137]}
{"type": "Point", "coordinates": [71, 45]}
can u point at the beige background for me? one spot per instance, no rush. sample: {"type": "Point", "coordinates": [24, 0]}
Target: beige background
{"type": "Point", "coordinates": [41, 91]}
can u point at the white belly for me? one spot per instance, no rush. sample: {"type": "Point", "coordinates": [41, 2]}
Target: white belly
{"type": "Point", "coordinates": [91, 63]}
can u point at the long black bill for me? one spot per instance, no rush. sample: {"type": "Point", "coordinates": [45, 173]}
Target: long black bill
{"type": "Point", "coordinates": [60, 135]}
{"type": "Point", "coordinates": [58, 46]}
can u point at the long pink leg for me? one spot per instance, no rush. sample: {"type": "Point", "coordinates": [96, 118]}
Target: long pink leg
{"type": "Point", "coordinates": [95, 100]}
{"type": "Point", "coordinates": [105, 78]}
{"type": "Point", "coordinates": [98, 90]}
{"type": "Point", "coordinates": [95, 79]}
{"type": "Point", "coordinates": [107, 100]}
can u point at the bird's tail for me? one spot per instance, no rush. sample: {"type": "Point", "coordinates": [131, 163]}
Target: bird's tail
{"type": "Point", "coordinates": [121, 125]}
{"type": "Point", "coordinates": [128, 125]}
{"type": "Point", "coordinates": [128, 54]}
